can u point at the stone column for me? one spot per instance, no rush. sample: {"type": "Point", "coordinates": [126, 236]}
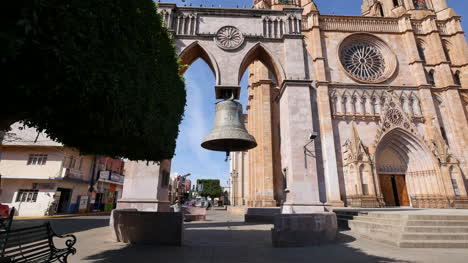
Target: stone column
{"type": "Point", "coordinates": [260, 123]}
{"type": "Point", "coordinates": [301, 169]}
{"type": "Point", "coordinates": [146, 186]}
{"type": "Point", "coordinates": [328, 147]}
{"type": "Point", "coordinates": [332, 183]}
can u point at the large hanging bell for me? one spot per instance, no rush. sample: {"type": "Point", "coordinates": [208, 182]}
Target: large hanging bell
{"type": "Point", "coordinates": [229, 133]}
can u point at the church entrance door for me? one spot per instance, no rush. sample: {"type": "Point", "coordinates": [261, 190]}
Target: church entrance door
{"type": "Point", "coordinates": [394, 190]}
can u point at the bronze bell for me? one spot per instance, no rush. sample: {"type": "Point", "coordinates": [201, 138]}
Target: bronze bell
{"type": "Point", "coordinates": [229, 133]}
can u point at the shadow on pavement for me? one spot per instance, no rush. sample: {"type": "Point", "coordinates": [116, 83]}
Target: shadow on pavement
{"type": "Point", "coordinates": [237, 246]}
{"type": "Point", "coordinates": [220, 224]}
{"type": "Point", "coordinates": [66, 225]}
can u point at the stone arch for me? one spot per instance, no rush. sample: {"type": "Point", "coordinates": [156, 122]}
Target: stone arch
{"type": "Point", "coordinates": [260, 52]}
{"type": "Point", "coordinates": [195, 51]}
{"type": "Point", "coordinates": [447, 47]}
{"type": "Point", "coordinates": [456, 77]}
{"type": "Point", "coordinates": [401, 154]}
{"type": "Point", "coordinates": [378, 9]}
{"type": "Point", "coordinates": [408, 147]}
{"type": "Point", "coordinates": [421, 46]}
{"type": "Point", "coordinates": [430, 76]}
{"type": "Point", "coordinates": [455, 178]}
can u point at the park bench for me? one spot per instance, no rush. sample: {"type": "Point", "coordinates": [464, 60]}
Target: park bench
{"type": "Point", "coordinates": [34, 244]}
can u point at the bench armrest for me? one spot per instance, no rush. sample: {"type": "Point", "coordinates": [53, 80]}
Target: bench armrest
{"type": "Point", "coordinates": [69, 242]}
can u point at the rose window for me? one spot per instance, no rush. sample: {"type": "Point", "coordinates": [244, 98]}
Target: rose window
{"type": "Point", "coordinates": [394, 116]}
{"type": "Point", "coordinates": [367, 59]}
{"type": "Point", "coordinates": [229, 37]}
{"type": "Point", "coordinates": [363, 61]}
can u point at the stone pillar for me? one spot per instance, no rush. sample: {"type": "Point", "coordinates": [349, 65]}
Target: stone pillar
{"type": "Point", "coordinates": [146, 186]}
{"type": "Point", "coordinates": [328, 147]}
{"type": "Point", "coordinates": [301, 169]}
{"type": "Point", "coordinates": [332, 183]}
{"type": "Point", "coordinates": [260, 124]}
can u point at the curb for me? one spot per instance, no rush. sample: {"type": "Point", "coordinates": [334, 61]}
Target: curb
{"type": "Point", "coordinates": [62, 216]}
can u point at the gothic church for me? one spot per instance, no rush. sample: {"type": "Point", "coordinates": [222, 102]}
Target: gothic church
{"type": "Point", "coordinates": [389, 105]}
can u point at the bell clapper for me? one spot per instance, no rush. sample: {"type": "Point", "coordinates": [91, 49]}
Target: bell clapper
{"type": "Point", "coordinates": [227, 156]}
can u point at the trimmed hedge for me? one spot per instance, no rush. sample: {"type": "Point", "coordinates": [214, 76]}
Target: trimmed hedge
{"type": "Point", "coordinates": [101, 76]}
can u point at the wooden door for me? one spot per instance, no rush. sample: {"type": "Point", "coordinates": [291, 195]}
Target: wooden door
{"type": "Point", "coordinates": [402, 190]}
{"type": "Point", "coordinates": [387, 190]}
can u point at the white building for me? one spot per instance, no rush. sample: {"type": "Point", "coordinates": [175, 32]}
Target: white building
{"type": "Point", "coordinates": [40, 176]}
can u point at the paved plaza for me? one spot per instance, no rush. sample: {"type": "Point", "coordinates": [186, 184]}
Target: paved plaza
{"type": "Point", "coordinates": [225, 238]}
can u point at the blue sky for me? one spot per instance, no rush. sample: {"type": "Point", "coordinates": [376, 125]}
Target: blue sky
{"type": "Point", "coordinates": [200, 109]}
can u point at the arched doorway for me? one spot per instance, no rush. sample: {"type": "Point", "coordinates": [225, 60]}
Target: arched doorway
{"type": "Point", "coordinates": [406, 170]}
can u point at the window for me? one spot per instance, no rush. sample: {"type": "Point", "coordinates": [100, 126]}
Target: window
{"type": "Point", "coordinates": [456, 79]}
{"type": "Point", "coordinates": [381, 11]}
{"type": "Point", "coordinates": [165, 178]}
{"type": "Point", "coordinates": [454, 174]}
{"type": "Point", "coordinates": [37, 159]}
{"type": "Point", "coordinates": [71, 162]}
{"type": "Point", "coordinates": [26, 195]}
{"type": "Point", "coordinates": [419, 4]}
{"type": "Point", "coordinates": [80, 163]}
{"type": "Point", "coordinates": [445, 47]}
{"type": "Point", "coordinates": [455, 187]}
{"type": "Point", "coordinates": [430, 77]}
{"type": "Point", "coordinates": [396, 3]}
{"type": "Point", "coordinates": [421, 52]}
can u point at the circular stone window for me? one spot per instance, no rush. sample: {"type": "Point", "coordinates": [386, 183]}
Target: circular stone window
{"type": "Point", "coordinates": [367, 59]}
{"type": "Point", "coordinates": [229, 37]}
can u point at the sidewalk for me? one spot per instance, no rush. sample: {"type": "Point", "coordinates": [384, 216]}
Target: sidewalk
{"type": "Point", "coordinates": [227, 239]}
{"type": "Point", "coordinates": [61, 215]}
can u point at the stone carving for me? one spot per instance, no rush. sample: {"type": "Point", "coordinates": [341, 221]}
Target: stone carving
{"type": "Point", "coordinates": [229, 38]}
{"type": "Point", "coordinates": [367, 59]}
{"type": "Point", "coordinates": [368, 103]}
{"type": "Point", "coordinates": [355, 24]}
{"type": "Point", "coordinates": [354, 149]}
{"type": "Point", "coordinates": [394, 116]}
{"type": "Point", "coordinates": [363, 61]}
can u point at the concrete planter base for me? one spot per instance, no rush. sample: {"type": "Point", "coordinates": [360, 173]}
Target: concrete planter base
{"type": "Point", "coordinates": [194, 213]}
{"type": "Point", "coordinates": [261, 215]}
{"type": "Point", "coordinates": [137, 227]}
{"type": "Point", "coordinates": [299, 230]}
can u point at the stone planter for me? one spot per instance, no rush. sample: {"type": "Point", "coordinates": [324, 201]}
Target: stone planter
{"type": "Point", "coordinates": [138, 227]}
{"type": "Point", "coordinates": [194, 213]}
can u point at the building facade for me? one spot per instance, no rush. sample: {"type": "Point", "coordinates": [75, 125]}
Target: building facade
{"type": "Point", "coordinates": [42, 177]}
{"type": "Point", "coordinates": [388, 100]}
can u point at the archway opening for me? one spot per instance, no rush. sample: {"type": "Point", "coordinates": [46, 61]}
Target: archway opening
{"type": "Point", "coordinates": [201, 76]}
{"type": "Point", "coordinates": [405, 169]}
{"type": "Point", "coordinates": [265, 189]}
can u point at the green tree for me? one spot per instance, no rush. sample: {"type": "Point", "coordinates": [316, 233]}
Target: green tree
{"type": "Point", "coordinates": [101, 76]}
{"type": "Point", "coordinates": [211, 187]}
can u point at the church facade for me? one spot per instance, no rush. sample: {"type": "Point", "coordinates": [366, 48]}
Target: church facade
{"type": "Point", "coordinates": [388, 102]}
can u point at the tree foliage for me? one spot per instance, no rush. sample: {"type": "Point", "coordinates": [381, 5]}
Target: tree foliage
{"type": "Point", "coordinates": [211, 187]}
{"type": "Point", "coordinates": [101, 76]}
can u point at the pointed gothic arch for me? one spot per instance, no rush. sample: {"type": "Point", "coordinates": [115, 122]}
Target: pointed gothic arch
{"type": "Point", "coordinates": [260, 52]}
{"type": "Point", "coordinates": [421, 46]}
{"type": "Point", "coordinates": [195, 51]}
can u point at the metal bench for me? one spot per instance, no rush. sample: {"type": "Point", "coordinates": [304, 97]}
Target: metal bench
{"type": "Point", "coordinates": [34, 244]}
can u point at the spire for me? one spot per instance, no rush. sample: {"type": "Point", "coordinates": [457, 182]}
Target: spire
{"type": "Point", "coordinates": [418, 9]}
{"type": "Point", "coordinates": [353, 149]}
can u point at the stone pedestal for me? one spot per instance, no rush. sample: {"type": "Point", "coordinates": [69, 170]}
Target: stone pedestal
{"type": "Point", "coordinates": [194, 213]}
{"type": "Point", "coordinates": [145, 187]}
{"type": "Point", "coordinates": [135, 227]}
{"type": "Point", "coordinates": [144, 204]}
{"type": "Point", "coordinates": [261, 214]}
{"type": "Point", "coordinates": [299, 230]}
